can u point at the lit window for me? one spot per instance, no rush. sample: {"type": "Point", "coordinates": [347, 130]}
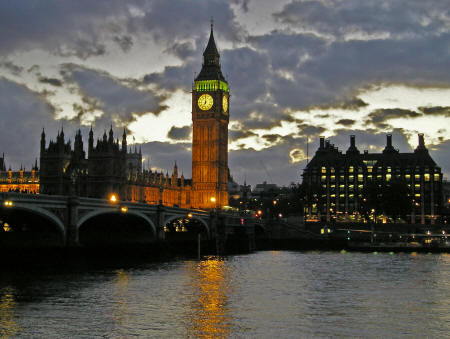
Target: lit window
{"type": "Point", "coordinates": [417, 176]}
{"type": "Point", "coordinates": [360, 177]}
{"type": "Point", "coordinates": [324, 178]}
{"type": "Point", "coordinates": [388, 177]}
{"type": "Point", "coordinates": [436, 177]}
{"type": "Point", "coordinates": [427, 177]}
{"type": "Point", "coordinates": [350, 178]}
{"type": "Point", "coordinates": [332, 169]}
{"type": "Point", "coordinates": [407, 176]}
{"type": "Point", "coordinates": [333, 177]}
{"type": "Point", "coordinates": [369, 169]}
{"type": "Point", "coordinates": [324, 170]}
{"type": "Point", "coordinates": [389, 169]}
{"type": "Point", "coordinates": [350, 169]}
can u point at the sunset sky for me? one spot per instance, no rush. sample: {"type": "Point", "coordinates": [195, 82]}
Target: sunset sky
{"type": "Point", "coordinates": [297, 70]}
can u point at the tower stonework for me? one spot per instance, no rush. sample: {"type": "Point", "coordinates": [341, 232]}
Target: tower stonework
{"type": "Point", "coordinates": [210, 117]}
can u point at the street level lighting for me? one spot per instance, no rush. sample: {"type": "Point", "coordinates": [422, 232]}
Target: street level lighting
{"type": "Point", "coordinates": [8, 203]}
{"type": "Point", "coordinates": [124, 209]}
{"type": "Point", "coordinates": [113, 198]}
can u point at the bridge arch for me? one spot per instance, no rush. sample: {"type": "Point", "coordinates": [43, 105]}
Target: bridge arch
{"type": "Point", "coordinates": [96, 213]}
{"type": "Point", "coordinates": [46, 214]}
{"type": "Point", "coordinates": [31, 227]}
{"type": "Point", "coordinates": [183, 216]}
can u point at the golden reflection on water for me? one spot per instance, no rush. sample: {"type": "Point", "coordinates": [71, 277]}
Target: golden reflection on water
{"type": "Point", "coordinates": [208, 314]}
{"type": "Point", "coordinates": [121, 311]}
{"type": "Point", "coordinates": [8, 324]}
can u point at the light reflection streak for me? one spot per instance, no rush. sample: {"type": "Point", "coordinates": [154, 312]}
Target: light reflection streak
{"type": "Point", "coordinates": [121, 312]}
{"type": "Point", "coordinates": [208, 314]}
{"type": "Point", "coordinates": [8, 324]}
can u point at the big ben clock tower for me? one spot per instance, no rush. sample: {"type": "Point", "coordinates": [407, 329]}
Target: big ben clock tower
{"type": "Point", "coordinates": [210, 103]}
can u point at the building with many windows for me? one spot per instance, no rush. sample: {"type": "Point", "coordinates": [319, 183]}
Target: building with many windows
{"type": "Point", "coordinates": [337, 185]}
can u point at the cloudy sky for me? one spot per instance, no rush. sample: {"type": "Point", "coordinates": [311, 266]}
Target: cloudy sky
{"type": "Point", "coordinates": [297, 70]}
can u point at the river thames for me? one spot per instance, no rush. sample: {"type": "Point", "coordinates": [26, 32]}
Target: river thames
{"type": "Point", "coordinates": [272, 294]}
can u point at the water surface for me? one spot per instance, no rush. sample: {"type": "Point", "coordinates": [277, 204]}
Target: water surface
{"type": "Point", "coordinates": [262, 295]}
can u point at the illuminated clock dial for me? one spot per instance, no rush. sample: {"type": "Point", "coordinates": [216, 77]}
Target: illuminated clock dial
{"type": "Point", "coordinates": [205, 102]}
{"type": "Point", "coordinates": [225, 104]}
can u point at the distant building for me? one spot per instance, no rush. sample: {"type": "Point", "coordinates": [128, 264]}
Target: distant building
{"type": "Point", "coordinates": [265, 191]}
{"type": "Point", "coordinates": [337, 180]}
{"type": "Point", "coordinates": [19, 181]}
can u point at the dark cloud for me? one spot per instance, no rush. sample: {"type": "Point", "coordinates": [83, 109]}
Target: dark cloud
{"type": "Point", "coordinates": [234, 135]}
{"type": "Point", "coordinates": [309, 130]}
{"type": "Point", "coordinates": [179, 133]}
{"type": "Point", "coordinates": [364, 18]}
{"type": "Point", "coordinates": [272, 164]}
{"type": "Point", "coordinates": [271, 138]}
{"type": "Point", "coordinates": [242, 3]}
{"type": "Point", "coordinates": [51, 81]}
{"type": "Point", "coordinates": [23, 115]}
{"type": "Point", "coordinates": [183, 50]}
{"type": "Point", "coordinates": [174, 77]}
{"type": "Point", "coordinates": [13, 68]}
{"type": "Point", "coordinates": [177, 20]}
{"type": "Point", "coordinates": [65, 28]}
{"type": "Point", "coordinates": [346, 122]}
{"type": "Point", "coordinates": [120, 103]}
{"type": "Point", "coordinates": [380, 116]}
{"type": "Point", "coordinates": [436, 110]}
{"type": "Point", "coordinates": [125, 42]}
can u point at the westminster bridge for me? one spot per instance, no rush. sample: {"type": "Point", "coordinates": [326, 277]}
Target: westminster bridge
{"type": "Point", "coordinates": [72, 221]}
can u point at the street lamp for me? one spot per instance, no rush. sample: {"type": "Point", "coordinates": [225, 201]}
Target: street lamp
{"type": "Point", "coordinates": [8, 203]}
{"type": "Point", "coordinates": [113, 198]}
{"type": "Point", "coordinates": [213, 202]}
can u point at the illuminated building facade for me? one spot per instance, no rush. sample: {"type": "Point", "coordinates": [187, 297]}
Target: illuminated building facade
{"type": "Point", "coordinates": [110, 168]}
{"type": "Point", "coordinates": [19, 181]}
{"type": "Point", "coordinates": [336, 181]}
{"type": "Point", "coordinates": [210, 117]}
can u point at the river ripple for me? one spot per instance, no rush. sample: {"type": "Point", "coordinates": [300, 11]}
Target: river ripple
{"type": "Point", "coordinates": [262, 295]}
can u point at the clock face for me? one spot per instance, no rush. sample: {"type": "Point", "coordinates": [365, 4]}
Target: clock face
{"type": "Point", "coordinates": [205, 102]}
{"type": "Point", "coordinates": [225, 104]}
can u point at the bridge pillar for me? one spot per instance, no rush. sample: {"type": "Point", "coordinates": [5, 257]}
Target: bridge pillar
{"type": "Point", "coordinates": [218, 232]}
{"type": "Point", "coordinates": [160, 234]}
{"type": "Point", "coordinates": [72, 239]}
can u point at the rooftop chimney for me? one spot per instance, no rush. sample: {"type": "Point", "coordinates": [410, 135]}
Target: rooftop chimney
{"type": "Point", "coordinates": [421, 140]}
{"type": "Point", "coordinates": [322, 142]}
{"type": "Point", "coordinates": [352, 141]}
{"type": "Point", "coordinates": [389, 140]}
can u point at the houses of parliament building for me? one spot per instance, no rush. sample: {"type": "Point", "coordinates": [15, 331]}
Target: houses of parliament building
{"type": "Point", "coordinates": [111, 167]}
